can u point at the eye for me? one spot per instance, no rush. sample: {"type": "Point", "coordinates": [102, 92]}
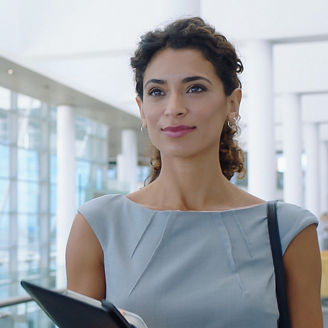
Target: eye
{"type": "Point", "coordinates": [155, 92]}
{"type": "Point", "coordinates": [196, 89]}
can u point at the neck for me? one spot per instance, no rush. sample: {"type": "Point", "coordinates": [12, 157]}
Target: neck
{"type": "Point", "coordinates": [191, 184]}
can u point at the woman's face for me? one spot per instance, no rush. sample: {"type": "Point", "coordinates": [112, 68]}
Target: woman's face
{"type": "Point", "coordinates": [184, 106]}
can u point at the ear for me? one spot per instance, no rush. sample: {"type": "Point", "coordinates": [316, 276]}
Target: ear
{"type": "Point", "coordinates": [234, 102]}
{"type": "Point", "coordinates": [142, 114]}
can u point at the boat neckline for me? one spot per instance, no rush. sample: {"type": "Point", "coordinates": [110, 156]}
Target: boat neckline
{"type": "Point", "coordinates": [191, 211]}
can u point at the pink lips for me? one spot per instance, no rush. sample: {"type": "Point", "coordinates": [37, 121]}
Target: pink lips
{"type": "Point", "coordinates": [177, 131]}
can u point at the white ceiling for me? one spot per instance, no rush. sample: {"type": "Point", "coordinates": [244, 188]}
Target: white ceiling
{"type": "Point", "coordinates": [86, 45]}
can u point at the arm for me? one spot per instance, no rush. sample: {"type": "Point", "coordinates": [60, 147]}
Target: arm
{"type": "Point", "coordinates": [85, 261]}
{"type": "Point", "coordinates": [303, 278]}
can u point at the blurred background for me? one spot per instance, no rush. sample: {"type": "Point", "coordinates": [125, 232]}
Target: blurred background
{"type": "Point", "coordinates": [70, 128]}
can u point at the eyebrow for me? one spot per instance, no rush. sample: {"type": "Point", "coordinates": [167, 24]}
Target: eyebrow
{"type": "Point", "coordinates": [185, 80]}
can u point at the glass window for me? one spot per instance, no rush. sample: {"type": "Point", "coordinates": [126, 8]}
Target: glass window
{"type": "Point", "coordinates": [83, 173]}
{"type": "Point", "coordinates": [53, 169]}
{"type": "Point", "coordinates": [112, 172]}
{"type": "Point", "coordinates": [280, 180]}
{"type": "Point", "coordinates": [53, 264]}
{"type": "Point", "coordinates": [44, 110]}
{"type": "Point", "coordinates": [30, 117]}
{"type": "Point", "coordinates": [53, 113]}
{"type": "Point", "coordinates": [28, 242]}
{"type": "Point", "coordinates": [4, 233]}
{"type": "Point", "coordinates": [99, 150]}
{"type": "Point", "coordinates": [142, 173]}
{"type": "Point", "coordinates": [28, 262]}
{"type": "Point", "coordinates": [28, 165]}
{"type": "Point", "coordinates": [30, 121]}
{"type": "Point", "coordinates": [101, 131]}
{"type": "Point", "coordinates": [28, 231]}
{"type": "Point", "coordinates": [83, 147]}
{"type": "Point", "coordinates": [104, 155]}
{"type": "Point", "coordinates": [243, 183]}
{"type": "Point", "coordinates": [53, 137]}
{"type": "Point", "coordinates": [29, 133]}
{"type": "Point", "coordinates": [4, 138]}
{"type": "Point", "coordinates": [96, 149]}
{"type": "Point", "coordinates": [83, 126]}
{"type": "Point", "coordinates": [28, 106]}
{"type": "Point", "coordinates": [4, 195]}
{"type": "Point", "coordinates": [53, 228]}
{"type": "Point", "coordinates": [28, 197]}
{"type": "Point", "coordinates": [53, 198]}
{"type": "Point", "coordinates": [4, 270]}
{"type": "Point", "coordinates": [99, 177]}
{"type": "Point", "coordinates": [81, 196]}
{"type": "Point", "coordinates": [281, 168]}
{"type": "Point", "coordinates": [4, 98]}
{"type": "Point", "coordinates": [281, 162]}
{"type": "Point", "coordinates": [4, 162]}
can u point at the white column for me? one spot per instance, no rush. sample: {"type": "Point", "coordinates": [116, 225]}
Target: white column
{"type": "Point", "coordinates": [292, 147]}
{"type": "Point", "coordinates": [169, 10]}
{"type": "Point", "coordinates": [323, 151]}
{"type": "Point", "coordinates": [312, 180]}
{"type": "Point", "coordinates": [13, 194]}
{"type": "Point", "coordinates": [65, 183]}
{"type": "Point", "coordinates": [261, 143]}
{"type": "Point", "coordinates": [127, 161]}
{"type": "Point", "coordinates": [130, 157]}
{"type": "Point", "coordinates": [44, 205]}
{"type": "Point", "coordinates": [105, 158]}
{"type": "Point", "coordinates": [120, 167]}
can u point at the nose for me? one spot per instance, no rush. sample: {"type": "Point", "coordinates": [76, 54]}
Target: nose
{"type": "Point", "coordinates": [175, 105]}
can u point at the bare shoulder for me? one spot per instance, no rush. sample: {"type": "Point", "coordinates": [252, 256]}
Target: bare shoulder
{"type": "Point", "coordinates": [302, 264]}
{"type": "Point", "coordinates": [140, 194]}
{"type": "Point", "coordinates": [82, 245]}
{"type": "Point", "coordinates": [143, 196]}
{"type": "Point", "coordinates": [84, 260]}
{"type": "Point", "coordinates": [244, 199]}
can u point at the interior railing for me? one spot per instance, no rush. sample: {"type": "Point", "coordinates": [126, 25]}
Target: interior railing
{"type": "Point", "coordinates": [21, 312]}
{"type": "Point", "coordinates": [17, 309]}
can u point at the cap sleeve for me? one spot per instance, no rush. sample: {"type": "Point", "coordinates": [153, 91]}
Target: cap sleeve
{"type": "Point", "coordinates": [292, 219]}
{"type": "Point", "coordinates": [98, 213]}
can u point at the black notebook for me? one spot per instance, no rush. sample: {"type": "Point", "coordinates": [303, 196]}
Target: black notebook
{"type": "Point", "coordinates": [70, 309]}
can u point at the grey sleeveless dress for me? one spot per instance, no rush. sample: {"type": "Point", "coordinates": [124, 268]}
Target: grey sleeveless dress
{"type": "Point", "coordinates": [191, 269]}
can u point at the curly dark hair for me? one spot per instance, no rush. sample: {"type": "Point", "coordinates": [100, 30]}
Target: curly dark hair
{"type": "Point", "coordinates": [194, 33]}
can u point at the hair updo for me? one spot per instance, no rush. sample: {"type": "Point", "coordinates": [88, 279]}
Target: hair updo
{"type": "Point", "coordinates": [194, 33]}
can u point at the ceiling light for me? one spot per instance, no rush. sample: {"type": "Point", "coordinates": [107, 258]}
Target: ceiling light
{"type": "Point", "coordinates": [10, 71]}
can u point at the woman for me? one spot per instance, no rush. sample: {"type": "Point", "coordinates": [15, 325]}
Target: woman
{"type": "Point", "coordinates": [190, 249]}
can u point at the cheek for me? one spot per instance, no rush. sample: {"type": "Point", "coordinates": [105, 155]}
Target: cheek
{"type": "Point", "coordinates": [211, 121]}
{"type": "Point", "coordinates": [211, 116]}
{"type": "Point", "coordinates": [152, 118]}
{"type": "Point", "coordinates": [208, 106]}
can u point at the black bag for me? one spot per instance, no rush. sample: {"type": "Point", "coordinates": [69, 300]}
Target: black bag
{"type": "Point", "coordinates": [284, 318]}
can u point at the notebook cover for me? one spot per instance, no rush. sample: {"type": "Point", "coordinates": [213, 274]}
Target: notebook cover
{"type": "Point", "coordinates": [67, 312]}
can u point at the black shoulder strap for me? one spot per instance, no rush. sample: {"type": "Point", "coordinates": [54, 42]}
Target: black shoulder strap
{"type": "Point", "coordinates": [284, 319]}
